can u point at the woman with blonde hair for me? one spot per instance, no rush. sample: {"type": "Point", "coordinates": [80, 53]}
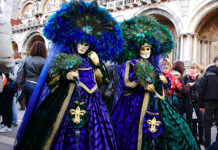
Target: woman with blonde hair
{"type": "Point", "coordinates": [166, 68]}
{"type": "Point", "coordinates": [192, 80]}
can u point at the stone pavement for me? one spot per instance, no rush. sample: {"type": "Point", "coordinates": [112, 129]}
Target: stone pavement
{"type": "Point", "coordinates": [7, 139]}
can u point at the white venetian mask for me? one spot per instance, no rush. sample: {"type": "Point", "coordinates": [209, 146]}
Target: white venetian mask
{"type": "Point", "coordinates": [82, 47]}
{"type": "Point", "coordinates": [145, 51]}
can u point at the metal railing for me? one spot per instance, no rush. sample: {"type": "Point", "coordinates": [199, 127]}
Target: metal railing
{"type": "Point", "coordinates": [29, 25]}
{"type": "Point", "coordinates": [122, 4]}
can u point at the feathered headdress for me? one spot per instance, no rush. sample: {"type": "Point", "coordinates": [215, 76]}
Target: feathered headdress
{"type": "Point", "coordinates": [139, 30]}
{"type": "Point", "coordinates": [80, 21]}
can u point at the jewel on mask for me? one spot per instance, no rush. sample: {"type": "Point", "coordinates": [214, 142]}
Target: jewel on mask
{"type": "Point", "coordinates": [87, 29]}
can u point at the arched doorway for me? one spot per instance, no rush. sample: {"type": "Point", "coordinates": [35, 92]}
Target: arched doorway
{"type": "Point", "coordinates": [29, 40]}
{"type": "Point", "coordinates": [34, 39]}
{"type": "Point", "coordinates": [207, 30]}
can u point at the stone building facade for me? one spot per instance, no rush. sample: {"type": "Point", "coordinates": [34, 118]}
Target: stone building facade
{"type": "Point", "coordinates": [192, 23]}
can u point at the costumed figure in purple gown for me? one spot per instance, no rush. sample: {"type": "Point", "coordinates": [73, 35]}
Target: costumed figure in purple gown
{"type": "Point", "coordinates": [143, 118]}
{"type": "Point", "coordinates": [72, 115]}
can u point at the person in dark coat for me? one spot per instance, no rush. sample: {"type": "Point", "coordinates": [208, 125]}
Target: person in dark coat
{"type": "Point", "coordinates": [192, 81]}
{"type": "Point", "coordinates": [208, 96]}
{"type": "Point", "coordinates": [184, 105]}
{"type": "Point", "coordinates": [6, 100]}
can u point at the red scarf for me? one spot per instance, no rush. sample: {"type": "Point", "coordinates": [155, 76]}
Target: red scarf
{"type": "Point", "coordinates": [174, 83]}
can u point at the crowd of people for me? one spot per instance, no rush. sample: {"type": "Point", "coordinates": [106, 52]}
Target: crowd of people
{"type": "Point", "coordinates": [20, 83]}
{"type": "Point", "coordinates": [147, 102]}
{"type": "Point", "coordinates": [198, 91]}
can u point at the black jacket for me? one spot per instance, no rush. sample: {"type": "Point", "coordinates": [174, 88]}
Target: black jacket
{"type": "Point", "coordinates": [33, 67]}
{"type": "Point", "coordinates": [193, 91]}
{"type": "Point", "coordinates": [208, 90]}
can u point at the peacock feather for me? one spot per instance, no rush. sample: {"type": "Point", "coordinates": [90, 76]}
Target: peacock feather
{"type": "Point", "coordinates": [65, 62]}
{"type": "Point", "coordinates": [144, 72]}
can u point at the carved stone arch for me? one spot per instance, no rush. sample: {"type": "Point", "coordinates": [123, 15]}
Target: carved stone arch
{"type": "Point", "coordinates": [30, 38]}
{"type": "Point", "coordinates": [14, 43]}
{"type": "Point", "coordinates": [15, 47]}
{"type": "Point", "coordinates": [21, 12]}
{"type": "Point", "coordinates": [162, 11]}
{"type": "Point", "coordinates": [14, 39]}
{"type": "Point", "coordinates": [202, 10]}
{"type": "Point", "coordinates": [43, 5]}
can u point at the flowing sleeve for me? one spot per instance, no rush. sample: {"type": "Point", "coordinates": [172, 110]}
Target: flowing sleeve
{"type": "Point", "coordinates": [127, 79]}
{"type": "Point", "coordinates": [101, 74]}
{"type": "Point", "coordinates": [52, 81]}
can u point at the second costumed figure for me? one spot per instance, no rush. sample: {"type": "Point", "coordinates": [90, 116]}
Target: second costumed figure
{"type": "Point", "coordinates": [143, 118]}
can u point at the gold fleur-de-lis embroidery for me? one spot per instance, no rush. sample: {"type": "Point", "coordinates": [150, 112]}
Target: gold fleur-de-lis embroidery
{"type": "Point", "coordinates": [153, 124]}
{"type": "Point", "coordinates": [77, 112]}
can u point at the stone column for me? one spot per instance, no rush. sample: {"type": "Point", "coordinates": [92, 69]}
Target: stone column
{"type": "Point", "coordinates": [208, 52]}
{"type": "Point", "coordinates": [198, 49]}
{"type": "Point", "coordinates": [201, 51]}
{"type": "Point", "coordinates": [187, 50]}
{"type": "Point", "coordinates": [195, 48]}
{"type": "Point", "coordinates": [204, 52]}
{"type": "Point", "coordinates": [177, 52]}
{"type": "Point", "coordinates": [181, 47]}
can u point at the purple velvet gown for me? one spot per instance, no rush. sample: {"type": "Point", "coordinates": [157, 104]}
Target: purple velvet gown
{"type": "Point", "coordinates": [126, 113]}
{"type": "Point", "coordinates": [98, 133]}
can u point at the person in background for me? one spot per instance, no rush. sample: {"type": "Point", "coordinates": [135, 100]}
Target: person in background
{"type": "Point", "coordinates": [192, 82]}
{"type": "Point", "coordinates": [3, 81]}
{"type": "Point", "coordinates": [19, 97]}
{"type": "Point", "coordinates": [6, 100]}
{"type": "Point", "coordinates": [183, 106]}
{"type": "Point", "coordinates": [6, 51]}
{"type": "Point", "coordinates": [208, 97]}
{"type": "Point", "coordinates": [166, 67]}
{"type": "Point", "coordinates": [13, 76]}
{"type": "Point", "coordinates": [33, 65]}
